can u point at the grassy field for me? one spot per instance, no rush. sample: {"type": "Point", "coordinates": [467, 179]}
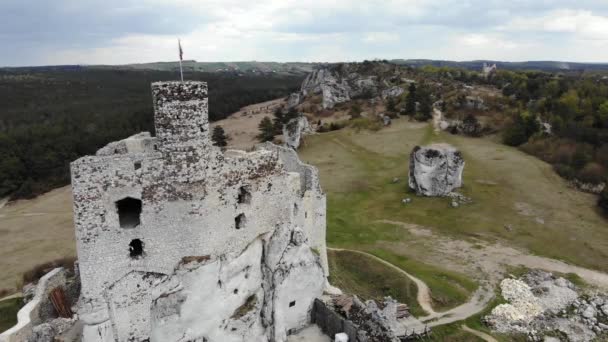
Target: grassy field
{"type": "Point", "coordinates": [34, 232]}
{"type": "Point", "coordinates": [8, 312]}
{"type": "Point", "coordinates": [369, 279]}
{"type": "Point", "coordinates": [508, 187]}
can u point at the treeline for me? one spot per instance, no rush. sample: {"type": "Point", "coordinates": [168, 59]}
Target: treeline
{"type": "Point", "coordinates": [561, 119]}
{"type": "Point", "coordinates": [50, 118]}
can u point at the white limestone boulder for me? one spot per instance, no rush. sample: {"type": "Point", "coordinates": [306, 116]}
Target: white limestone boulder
{"type": "Point", "coordinates": [394, 91]}
{"type": "Point", "coordinates": [293, 131]}
{"type": "Point", "coordinates": [435, 170]}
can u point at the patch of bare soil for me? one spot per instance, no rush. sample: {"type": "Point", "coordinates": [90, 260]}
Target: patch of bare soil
{"type": "Point", "coordinates": [33, 232]}
{"type": "Point", "coordinates": [242, 127]}
{"type": "Point", "coordinates": [483, 260]}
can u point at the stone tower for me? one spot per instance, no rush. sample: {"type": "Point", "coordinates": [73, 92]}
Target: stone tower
{"type": "Point", "coordinates": [178, 241]}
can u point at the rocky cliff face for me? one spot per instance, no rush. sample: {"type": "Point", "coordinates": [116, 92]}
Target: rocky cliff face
{"type": "Point", "coordinates": [257, 295]}
{"type": "Point", "coordinates": [341, 84]}
{"type": "Point", "coordinates": [435, 170]}
{"type": "Point", "coordinates": [293, 131]}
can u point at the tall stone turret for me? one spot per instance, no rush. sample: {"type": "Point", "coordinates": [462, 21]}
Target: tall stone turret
{"type": "Point", "coordinates": [179, 241]}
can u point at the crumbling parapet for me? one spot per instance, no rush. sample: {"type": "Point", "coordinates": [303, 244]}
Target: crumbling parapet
{"type": "Point", "coordinates": [30, 315]}
{"type": "Point", "coordinates": [162, 221]}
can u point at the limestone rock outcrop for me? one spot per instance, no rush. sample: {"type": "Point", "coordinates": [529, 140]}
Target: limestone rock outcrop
{"type": "Point", "coordinates": [293, 131]}
{"type": "Point", "coordinates": [394, 91]}
{"type": "Point", "coordinates": [540, 303]}
{"type": "Point", "coordinates": [435, 170]}
{"type": "Point", "coordinates": [339, 86]}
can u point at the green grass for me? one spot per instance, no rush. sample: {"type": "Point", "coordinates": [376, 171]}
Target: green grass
{"type": "Point", "coordinates": [356, 169]}
{"type": "Point", "coordinates": [8, 312]}
{"type": "Point", "coordinates": [448, 289]}
{"type": "Point", "coordinates": [361, 192]}
{"type": "Point", "coordinates": [369, 279]}
{"type": "Point", "coordinates": [444, 332]}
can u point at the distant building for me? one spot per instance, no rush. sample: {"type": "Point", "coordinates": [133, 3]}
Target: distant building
{"type": "Point", "coordinates": [488, 70]}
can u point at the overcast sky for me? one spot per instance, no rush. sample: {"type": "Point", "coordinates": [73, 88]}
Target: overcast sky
{"type": "Point", "coordinates": [43, 32]}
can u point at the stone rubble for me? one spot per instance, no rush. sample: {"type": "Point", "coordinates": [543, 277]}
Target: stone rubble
{"type": "Point", "coordinates": [542, 305]}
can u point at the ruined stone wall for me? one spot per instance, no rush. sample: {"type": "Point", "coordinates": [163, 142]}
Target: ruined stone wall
{"type": "Point", "coordinates": [166, 217]}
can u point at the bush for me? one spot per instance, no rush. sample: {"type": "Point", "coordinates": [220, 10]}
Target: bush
{"type": "Point", "coordinates": [38, 271]}
{"type": "Point", "coordinates": [334, 126]}
{"type": "Point", "coordinates": [592, 173]}
{"type": "Point", "coordinates": [522, 127]}
{"type": "Point", "coordinates": [601, 155]}
{"type": "Point", "coordinates": [366, 123]}
{"type": "Point", "coordinates": [564, 171]}
{"type": "Point", "coordinates": [603, 201]}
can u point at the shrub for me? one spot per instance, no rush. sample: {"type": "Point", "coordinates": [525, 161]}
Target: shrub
{"type": "Point", "coordinates": [592, 173]}
{"type": "Point", "coordinates": [38, 271]}
{"type": "Point", "coordinates": [366, 123]}
{"type": "Point", "coordinates": [603, 201]}
{"type": "Point", "coordinates": [355, 111]}
{"type": "Point", "coordinates": [564, 171]}
{"type": "Point", "coordinates": [6, 292]}
{"type": "Point", "coordinates": [522, 127]}
{"type": "Point", "coordinates": [601, 155]}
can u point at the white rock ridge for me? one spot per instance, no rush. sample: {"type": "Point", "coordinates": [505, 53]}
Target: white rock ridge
{"type": "Point", "coordinates": [435, 170]}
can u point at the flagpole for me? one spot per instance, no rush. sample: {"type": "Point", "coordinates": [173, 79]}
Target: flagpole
{"type": "Point", "coordinates": [181, 71]}
{"type": "Point", "coordinates": [181, 55]}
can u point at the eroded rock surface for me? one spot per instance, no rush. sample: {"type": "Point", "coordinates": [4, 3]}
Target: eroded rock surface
{"type": "Point", "coordinates": [435, 170]}
{"type": "Point", "coordinates": [541, 304]}
{"type": "Point", "coordinates": [293, 131]}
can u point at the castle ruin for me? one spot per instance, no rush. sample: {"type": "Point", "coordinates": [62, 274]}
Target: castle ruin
{"type": "Point", "coordinates": [179, 241]}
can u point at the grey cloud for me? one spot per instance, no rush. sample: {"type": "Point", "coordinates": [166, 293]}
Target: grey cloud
{"type": "Point", "coordinates": [87, 22]}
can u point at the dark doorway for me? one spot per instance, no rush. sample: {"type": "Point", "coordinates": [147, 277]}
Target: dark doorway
{"type": "Point", "coordinates": [129, 212]}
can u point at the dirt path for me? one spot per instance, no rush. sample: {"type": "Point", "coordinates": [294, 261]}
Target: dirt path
{"type": "Point", "coordinates": [3, 201]}
{"type": "Point", "coordinates": [14, 295]}
{"type": "Point", "coordinates": [478, 302]}
{"type": "Point", "coordinates": [479, 334]}
{"type": "Point", "coordinates": [424, 294]}
{"type": "Point", "coordinates": [492, 259]}
{"type": "Point", "coordinates": [242, 127]}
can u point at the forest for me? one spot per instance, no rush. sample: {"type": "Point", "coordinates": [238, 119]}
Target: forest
{"type": "Point", "coordinates": [50, 117]}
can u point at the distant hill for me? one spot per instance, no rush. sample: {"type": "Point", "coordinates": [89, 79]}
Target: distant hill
{"type": "Point", "coordinates": [303, 68]}
{"type": "Point", "coordinates": [532, 65]}
{"type": "Point", "coordinates": [295, 68]}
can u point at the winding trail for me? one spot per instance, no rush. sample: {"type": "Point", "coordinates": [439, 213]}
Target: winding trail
{"type": "Point", "coordinates": [424, 294]}
{"type": "Point", "coordinates": [493, 257]}
{"type": "Point", "coordinates": [479, 334]}
{"type": "Point", "coordinates": [476, 304]}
